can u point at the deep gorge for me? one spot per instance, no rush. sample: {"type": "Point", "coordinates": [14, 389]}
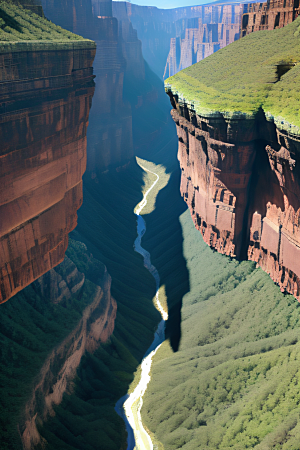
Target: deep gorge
{"type": "Point", "coordinates": [73, 339]}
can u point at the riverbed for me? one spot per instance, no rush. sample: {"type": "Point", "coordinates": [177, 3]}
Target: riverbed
{"type": "Point", "coordinates": [129, 407]}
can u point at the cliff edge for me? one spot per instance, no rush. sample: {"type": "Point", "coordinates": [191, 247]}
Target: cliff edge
{"type": "Point", "coordinates": [46, 89]}
{"type": "Point", "coordinates": [237, 117]}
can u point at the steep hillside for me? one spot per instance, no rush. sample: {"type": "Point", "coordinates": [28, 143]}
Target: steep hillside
{"type": "Point", "coordinates": [45, 330]}
{"type": "Point", "coordinates": [258, 71]}
{"type": "Point", "coordinates": [237, 116]}
{"type": "Point", "coordinates": [234, 381]}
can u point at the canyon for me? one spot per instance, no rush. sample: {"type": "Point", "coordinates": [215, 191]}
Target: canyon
{"type": "Point", "coordinates": [240, 170]}
{"type": "Point", "coordinates": [46, 109]}
{"type": "Point", "coordinates": [72, 339]}
{"type": "Point", "coordinates": [174, 39]}
{"type": "Point", "coordinates": [45, 100]}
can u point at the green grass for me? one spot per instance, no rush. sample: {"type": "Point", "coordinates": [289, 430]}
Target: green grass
{"type": "Point", "coordinates": [241, 78]}
{"type": "Point", "coordinates": [86, 419]}
{"type": "Point", "coordinates": [107, 224]}
{"type": "Point", "coordinates": [234, 383]}
{"type": "Point", "coordinates": [20, 28]}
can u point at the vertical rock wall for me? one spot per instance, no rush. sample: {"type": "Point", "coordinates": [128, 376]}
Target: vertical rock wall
{"type": "Point", "coordinates": [241, 181]}
{"type": "Point", "coordinates": [216, 27]}
{"type": "Point", "coordinates": [44, 108]}
{"type": "Point", "coordinates": [269, 15]}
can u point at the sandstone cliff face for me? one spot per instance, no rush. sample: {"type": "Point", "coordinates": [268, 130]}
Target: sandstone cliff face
{"type": "Point", "coordinates": [240, 179]}
{"type": "Point", "coordinates": [121, 86]}
{"type": "Point", "coordinates": [173, 39]}
{"type": "Point", "coordinates": [269, 15]}
{"type": "Point", "coordinates": [44, 108]}
{"type": "Point", "coordinates": [110, 129]}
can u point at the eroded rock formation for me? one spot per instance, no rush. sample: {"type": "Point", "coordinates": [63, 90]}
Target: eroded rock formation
{"type": "Point", "coordinates": [240, 179]}
{"type": "Point", "coordinates": [59, 369]}
{"type": "Point", "coordinates": [173, 39]}
{"type": "Point", "coordinates": [45, 100]}
{"type": "Point", "coordinates": [216, 27]}
{"type": "Point", "coordinates": [269, 15]}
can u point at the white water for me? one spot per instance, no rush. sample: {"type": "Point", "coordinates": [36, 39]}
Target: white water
{"type": "Point", "coordinates": [138, 438]}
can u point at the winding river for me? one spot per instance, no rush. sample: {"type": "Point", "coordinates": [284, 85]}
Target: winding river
{"type": "Point", "coordinates": [129, 407]}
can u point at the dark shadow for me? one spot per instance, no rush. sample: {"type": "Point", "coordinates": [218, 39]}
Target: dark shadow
{"type": "Point", "coordinates": [164, 237]}
{"type": "Point", "coordinates": [10, 21]}
{"type": "Point", "coordinates": [107, 225]}
{"type": "Point", "coordinates": [165, 241]}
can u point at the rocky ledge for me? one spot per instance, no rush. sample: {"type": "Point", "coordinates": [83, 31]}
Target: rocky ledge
{"type": "Point", "coordinates": [241, 171]}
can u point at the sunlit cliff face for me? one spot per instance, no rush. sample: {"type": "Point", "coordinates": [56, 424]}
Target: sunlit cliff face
{"type": "Point", "coordinates": [240, 180]}
{"type": "Point", "coordinates": [43, 123]}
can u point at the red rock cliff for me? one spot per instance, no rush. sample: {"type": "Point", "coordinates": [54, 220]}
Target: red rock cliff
{"type": "Point", "coordinates": [45, 100]}
{"type": "Point", "coordinates": [241, 181]}
{"type": "Point", "coordinates": [269, 15]}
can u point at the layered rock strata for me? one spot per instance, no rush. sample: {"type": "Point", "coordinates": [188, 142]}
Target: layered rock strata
{"type": "Point", "coordinates": [240, 179]}
{"type": "Point", "coordinates": [110, 130]}
{"type": "Point", "coordinates": [173, 39]}
{"type": "Point", "coordinates": [269, 15]}
{"type": "Point", "coordinates": [45, 99]}
{"type": "Point", "coordinates": [216, 27]}
{"type": "Point", "coordinates": [121, 85]}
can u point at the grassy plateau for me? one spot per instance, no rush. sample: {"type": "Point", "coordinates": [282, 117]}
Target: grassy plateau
{"type": "Point", "coordinates": [19, 26]}
{"type": "Point", "coordinates": [260, 70]}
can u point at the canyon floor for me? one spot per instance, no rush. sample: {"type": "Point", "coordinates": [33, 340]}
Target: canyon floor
{"type": "Point", "coordinates": [234, 381]}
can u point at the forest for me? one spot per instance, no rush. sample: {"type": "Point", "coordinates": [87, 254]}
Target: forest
{"type": "Point", "coordinates": [234, 383]}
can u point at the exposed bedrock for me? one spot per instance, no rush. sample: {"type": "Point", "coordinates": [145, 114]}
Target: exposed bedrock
{"type": "Point", "coordinates": [43, 124]}
{"type": "Point", "coordinates": [240, 179]}
{"type": "Point", "coordinates": [173, 39]}
{"type": "Point", "coordinates": [57, 374]}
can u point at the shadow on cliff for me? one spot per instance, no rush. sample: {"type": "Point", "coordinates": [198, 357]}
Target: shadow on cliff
{"type": "Point", "coordinates": [265, 186]}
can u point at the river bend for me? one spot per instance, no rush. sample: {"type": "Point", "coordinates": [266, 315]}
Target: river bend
{"type": "Point", "coordinates": [129, 407]}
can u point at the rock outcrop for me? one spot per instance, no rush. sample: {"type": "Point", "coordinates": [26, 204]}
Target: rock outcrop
{"type": "Point", "coordinates": [173, 39]}
{"type": "Point", "coordinates": [46, 94]}
{"type": "Point", "coordinates": [95, 327]}
{"type": "Point", "coordinates": [122, 86]}
{"type": "Point", "coordinates": [216, 27]}
{"type": "Point", "coordinates": [269, 15]}
{"type": "Point", "coordinates": [241, 181]}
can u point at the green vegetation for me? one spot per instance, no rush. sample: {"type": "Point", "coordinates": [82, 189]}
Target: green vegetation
{"type": "Point", "coordinates": [234, 383]}
{"type": "Point", "coordinates": [247, 75]}
{"type": "Point", "coordinates": [30, 327]}
{"type": "Point", "coordinates": [86, 418]}
{"type": "Point", "coordinates": [107, 225]}
{"type": "Point", "coordinates": [18, 25]}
